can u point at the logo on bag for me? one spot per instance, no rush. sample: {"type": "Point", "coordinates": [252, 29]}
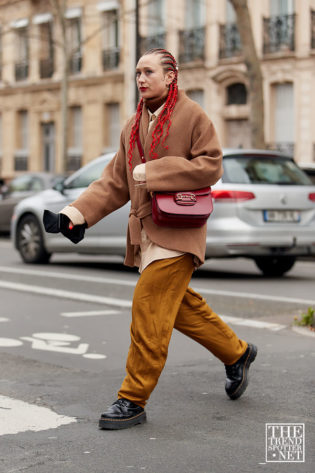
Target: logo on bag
{"type": "Point", "coordinates": [285, 443]}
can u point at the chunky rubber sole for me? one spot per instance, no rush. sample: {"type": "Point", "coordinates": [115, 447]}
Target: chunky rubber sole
{"type": "Point", "coordinates": [244, 383]}
{"type": "Point", "coordinates": [117, 424]}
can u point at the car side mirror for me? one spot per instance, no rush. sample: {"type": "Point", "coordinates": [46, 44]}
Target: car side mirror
{"type": "Point", "coordinates": [60, 187]}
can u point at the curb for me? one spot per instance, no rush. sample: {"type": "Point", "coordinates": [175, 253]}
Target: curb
{"type": "Point", "coordinates": [303, 331]}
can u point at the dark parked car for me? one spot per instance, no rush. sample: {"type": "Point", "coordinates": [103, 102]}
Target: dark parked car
{"type": "Point", "coordinates": [19, 188]}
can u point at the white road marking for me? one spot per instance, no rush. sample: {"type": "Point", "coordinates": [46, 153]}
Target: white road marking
{"type": "Point", "coordinates": [4, 319]}
{"type": "Point", "coordinates": [19, 416]}
{"type": "Point", "coordinates": [127, 304]}
{"type": "Point", "coordinates": [77, 296]}
{"type": "Point", "coordinates": [90, 313]}
{"type": "Point", "coordinates": [94, 356]}
{"type": "Point", "coordinates": [252, 323]}
{"type": "Point", "coordinates": [250, 295]}
{"type": "Point", "coordinates": [72, 276]}
{"type": "Point", "coordinates": [124, 282]}
{"type": "Point", "coordinates": [10, 342]}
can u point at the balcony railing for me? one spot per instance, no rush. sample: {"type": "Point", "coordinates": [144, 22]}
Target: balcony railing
{"type": "Point", "coordinates": [191, 45]}
{"type": "Point", "coordinates": [279, 33]}
{"type": "Point", "coordinates": [313, 29]}
{"type": "Point", "coordinates": [75, 63]}
{"type": "Point", "coordinates": [110, 58]}
{"type": "Point", "coordinates": [149, 42]}
{"type": "Point", "coordinates": [46, 68]}
{"type": "Point", "coordinates": [21, 70]}
{"type": "Point", "coordinates": [74, 161]}
{"type": "Point", "coordinates": [20, 163]}
{"type": "Point", "coordinates": [230, 41]}
{"type": "Point", "coordinates": [283, 147]}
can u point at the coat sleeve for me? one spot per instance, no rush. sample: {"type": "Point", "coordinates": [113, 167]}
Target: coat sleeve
{"type": "Point", "coordinates": [109, 192]}
{"type": "Point", "coordinates": [203, 168]}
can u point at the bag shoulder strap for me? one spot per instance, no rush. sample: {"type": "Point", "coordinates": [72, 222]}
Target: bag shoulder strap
{"type": "Point", "coordinates": [141, 152]}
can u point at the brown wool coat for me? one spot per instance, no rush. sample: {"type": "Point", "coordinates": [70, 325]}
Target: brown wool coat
{"type": "Point", "coordinates": [193, 160]}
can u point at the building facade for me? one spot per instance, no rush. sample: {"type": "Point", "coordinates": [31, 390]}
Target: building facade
{"type": "Point", "coordinates": [101, 45]}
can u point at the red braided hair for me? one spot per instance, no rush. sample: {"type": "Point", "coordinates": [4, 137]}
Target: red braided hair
{"type": "Point", "coordinates": [169, 64]}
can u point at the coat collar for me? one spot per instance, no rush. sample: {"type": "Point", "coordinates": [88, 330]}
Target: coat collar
{"type": "Point", "coordinates": [145, 136]}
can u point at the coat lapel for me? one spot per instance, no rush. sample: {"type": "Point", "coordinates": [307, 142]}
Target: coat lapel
{"type": "Point", "coordinates": [144, 123]}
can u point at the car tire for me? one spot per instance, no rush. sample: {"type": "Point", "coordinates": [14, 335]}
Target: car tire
{"type": "Point", "coordinates": [275, 265]}
{"type": "Point", "coordinates": [29, 241]}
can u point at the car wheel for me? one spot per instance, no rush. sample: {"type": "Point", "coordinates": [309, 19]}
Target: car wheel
{"type": "Point", "coordinates": [275, 265]}
{"type": "Point", "coordinates": [29, 239]}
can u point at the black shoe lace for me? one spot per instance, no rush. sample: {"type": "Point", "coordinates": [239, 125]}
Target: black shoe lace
{"type": "Point", "coordinates": [231, 370]}
{"type": "Point", "coordinates": [122, 402]}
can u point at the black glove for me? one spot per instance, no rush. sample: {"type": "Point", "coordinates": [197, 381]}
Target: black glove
{"type": "Point", "coordinates": [55, 223]}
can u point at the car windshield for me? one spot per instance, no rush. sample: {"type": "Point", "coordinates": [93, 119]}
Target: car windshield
{"type": "Point", "coordinates": [242, 169]}
{"type": "Point", "coordinates": [88, 175]}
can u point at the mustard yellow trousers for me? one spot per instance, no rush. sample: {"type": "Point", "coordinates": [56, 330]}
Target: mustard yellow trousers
{"type": "Point", "coordinates": [163, 301]}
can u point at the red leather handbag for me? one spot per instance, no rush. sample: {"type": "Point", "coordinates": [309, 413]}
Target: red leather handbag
{"type": "Point", "coordinates": [180, 209]}
{"type": "Point", "coordinates": [189, 209]}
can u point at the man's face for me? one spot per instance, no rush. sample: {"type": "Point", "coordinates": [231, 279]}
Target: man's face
{"type": "Point", "coordinates": [152, 81]}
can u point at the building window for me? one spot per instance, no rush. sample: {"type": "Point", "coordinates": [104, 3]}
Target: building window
{"type": "Point", "coordinates": [283, 118]}
{"type": "Point", "coordinates": [192, 39]}
{"type": "Point", "coordinates": [197, 95]}
{"type": "Point", "coordinates": [155, 26]}
{"type": "Point", "coordinates": [111, 50]}
{"type": "Point", "coordinates": [281, 7]}
{"type": "Point", "coordinates": [236, 94]}
{"type": "Point", "coordinates": [112, 126]}
{"type": "Point", "coordinates": [46, 50]}
{"type": "Point", "coordinates": [279, 29]}
{"type": "Point", "coordinates": [75, 44]}
{"type": "Point", "coordinates": [229, 41]}
{"type": "Point", "coordinates": [75, 139]}
{"type": "Point", "coordinates": [22, 143]}
{"type": "Point", "coordinates": [22, 53]}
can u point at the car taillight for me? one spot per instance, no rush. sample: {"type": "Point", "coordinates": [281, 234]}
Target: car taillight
{"type": "Point", "coordinates": [311, 196]}
{"type": "Point", "coordinates": [231, 196]}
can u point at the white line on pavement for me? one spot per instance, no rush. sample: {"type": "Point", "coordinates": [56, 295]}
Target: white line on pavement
{"type": "Point", "coordinates": [124, 282]}
{"type": "Point", "coordinates": [252, 323]}
{"type": "Point", "coordinates": [73, 277]}
{"type": "Point", "coordinates": [90, 313]}
{"type": "Point", "coordinates": [77, 296]}
{"type": "Point", "coordinates": [19, 416]}
{"type": "Point", "coordinates": [250, 295]}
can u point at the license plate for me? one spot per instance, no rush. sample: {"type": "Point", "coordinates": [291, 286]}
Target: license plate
{"type": "Point", "coordinates": [282, 216]}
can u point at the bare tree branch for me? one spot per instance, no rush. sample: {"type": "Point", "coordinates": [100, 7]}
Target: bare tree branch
{"type": "Point", "coordinates": [256, 100]}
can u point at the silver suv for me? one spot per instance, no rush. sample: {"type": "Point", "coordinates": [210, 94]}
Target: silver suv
{"type": "Point", "coordinates": [264, 209]}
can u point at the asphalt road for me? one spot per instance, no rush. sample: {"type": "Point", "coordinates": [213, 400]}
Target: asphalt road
{"type": "Point", "coordinates": [64, 336]}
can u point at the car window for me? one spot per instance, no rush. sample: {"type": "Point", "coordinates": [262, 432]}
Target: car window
{"type": "Point", "coordinates": [36, 184]}
{"type": "Point", "coordinates": [263, 170]}
{"type": "Point", "coordinates": [88, 175]}
{"type": "Point", "coordinates": [20, 184]}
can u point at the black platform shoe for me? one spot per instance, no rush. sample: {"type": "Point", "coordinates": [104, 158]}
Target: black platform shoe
{"type": "Point", "coordinates": [237, 374]}
{"type": "Point", "coordinates": [121, 415]}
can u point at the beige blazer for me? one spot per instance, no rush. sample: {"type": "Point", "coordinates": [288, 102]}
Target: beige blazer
{"type": "Point", "coordinates": [192, 160]}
